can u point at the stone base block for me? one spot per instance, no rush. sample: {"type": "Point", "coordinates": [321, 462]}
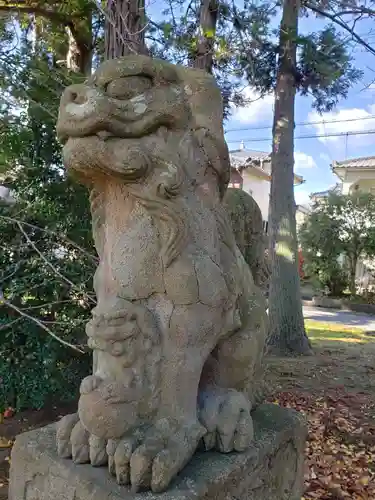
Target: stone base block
{"type": "Point", "coordinates": [271, 470]}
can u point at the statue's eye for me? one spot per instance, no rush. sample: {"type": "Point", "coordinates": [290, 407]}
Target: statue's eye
{"type": "Point", "coordinates": [128, 87]}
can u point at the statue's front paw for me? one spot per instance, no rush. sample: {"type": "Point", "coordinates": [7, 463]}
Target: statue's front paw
{"type": "Point", "coordinates": [74, 441]}
{"type": "Point", "coordinates": [153, 461]}
{"type": "Point", "coordinates": [226, 415]}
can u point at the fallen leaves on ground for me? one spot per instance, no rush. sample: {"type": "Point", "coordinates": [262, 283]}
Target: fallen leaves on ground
{"type": "Point", "coordinates": [340, 451]}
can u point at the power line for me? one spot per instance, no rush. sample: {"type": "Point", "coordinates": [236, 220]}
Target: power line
{"type": "Point", "coordinates": [315, 136]}
{"type": "Point", "coordinates": [300, 124]}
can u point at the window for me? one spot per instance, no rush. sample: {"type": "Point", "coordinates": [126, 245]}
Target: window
{"type": "Point", "coordinates": [265, 226]}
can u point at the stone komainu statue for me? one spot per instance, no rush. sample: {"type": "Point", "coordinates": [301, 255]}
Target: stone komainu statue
{"type": "Point", "coordinates": [179, 329]}
{"type": "Point", "coordinates": [247, 225]}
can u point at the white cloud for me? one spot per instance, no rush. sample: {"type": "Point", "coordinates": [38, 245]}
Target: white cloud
{"type": "Point", "coordinates": [259, 109]}
{"type": "Point", "coordinates": [303, 160]}
{"type": "Point", "coordinates": [302, 197]}
{"type": "Point", "coordinates": [343, 121]}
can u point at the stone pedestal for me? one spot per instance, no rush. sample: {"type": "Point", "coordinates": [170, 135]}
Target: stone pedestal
{"type": "Point", "coordinates": [271, 470]}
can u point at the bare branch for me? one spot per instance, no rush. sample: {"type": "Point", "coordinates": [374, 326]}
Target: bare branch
{"type": "Point", "coordinates": [39, 323]}
{"type": "Point", "coordinates": [52, 233]}
{"type": "Point", "coordinates": [8, 325]}
{"type": "Point", "coordinates": [50, 265]}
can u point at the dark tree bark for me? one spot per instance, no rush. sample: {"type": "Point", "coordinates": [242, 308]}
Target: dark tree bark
{"type": "Point", "coordinates": [287, 334]}
{"type": "Point", "coordinates": [203, 57]}
{"type": "Point", "coordinates": [79, 54]}
{"type": "Point", "coordinates": [125, 28]}
{"type": "Point", "coordinates": [353, 261]}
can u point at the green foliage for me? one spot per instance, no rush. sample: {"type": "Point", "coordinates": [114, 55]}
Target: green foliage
{"type": "Point", "coordinates": [47, 259]}
{"type": "Point", "coordinates": [46, 252]}
{"type": "Point", "coordinates": [325, 69]}
{"type": "Point", "coordinates": [342, 225]}
{"type": "Point", "coordinates": [242, 51]}
{"type": "Point", "coordinates": [246, 51]}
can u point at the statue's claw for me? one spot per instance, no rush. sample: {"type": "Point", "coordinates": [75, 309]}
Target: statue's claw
{"type": "Point", "coordinates": [80, 444]}
{"type": "Point", "coordinates": [152, 462]}
{"type": "Point", "coordinates": [119, 455]}
{"type": "Point", "coordinates": [64, 431]}
{"type": "Point", "coordinates": [226, 415]}
{"type": "Point", "coordinates": [74, 441]}
{"type": "Point", "coordinates": [176, 454]}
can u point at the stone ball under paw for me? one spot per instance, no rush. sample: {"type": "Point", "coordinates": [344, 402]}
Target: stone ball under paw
{"type": "Point", "coordinates": [107, 409]}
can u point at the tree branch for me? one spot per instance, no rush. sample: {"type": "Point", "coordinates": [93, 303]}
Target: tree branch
{"type": "Point", "coordinates": [52, 233]}
{"type": "Point", "coordinates": [23, 8]}
{"type": "Point", "coordinates": [39, 323]}
{"type": "Point", "coordinates": [342, 24]}
{"type": "Point", "coordinates": [51, 14]}
{"type": "Point", "coordinates": [50, 265]}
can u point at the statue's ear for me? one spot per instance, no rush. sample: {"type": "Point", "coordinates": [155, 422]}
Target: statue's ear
{"type": "Point", "coordinates": [217, 156]}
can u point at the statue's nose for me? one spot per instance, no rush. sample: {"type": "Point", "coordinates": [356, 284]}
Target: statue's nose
{"type": "Point", "coordinates": [76, 94]}
{"type": "Point", "coordinates": [71, 99]}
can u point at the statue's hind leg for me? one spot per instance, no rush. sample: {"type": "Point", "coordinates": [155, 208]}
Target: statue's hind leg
{"type": "Point", "coordinates": [224, 411]}
{"type": "Point", "coordinates": [230, 385]}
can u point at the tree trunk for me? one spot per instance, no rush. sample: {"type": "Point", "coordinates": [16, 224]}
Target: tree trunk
{"type": "Point", "coordinates": [203, 57]}
{"type": "Point", "coordinates": [125, 28]}
{"type": "Point", "coordinates": [79, 54]}
{"type": "Point", "coordinates": [353, 260]}
{"type": "Point", "coordinates": [287, 333]}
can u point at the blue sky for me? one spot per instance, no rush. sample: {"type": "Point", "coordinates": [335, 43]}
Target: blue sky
{"type": "Point", "coordinates": [313, 156]}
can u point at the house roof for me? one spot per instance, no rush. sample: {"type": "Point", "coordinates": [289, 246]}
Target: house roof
{"type": "Point", "coordinates": [337, 188]}
{"type": "Point", "coordinates": [241, 157]}
{"type": "Point", "coordinates": [364, 162]}
{"type": "Point", "coordinates": [305, 209]}
{"type": "Point", "coordinates": [245, 157]}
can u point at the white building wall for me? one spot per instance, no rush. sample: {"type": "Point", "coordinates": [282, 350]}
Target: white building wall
{"type": "Point", "coordinates": [259, 190]}
{"type": "Point", "coordinates": [365, 180]}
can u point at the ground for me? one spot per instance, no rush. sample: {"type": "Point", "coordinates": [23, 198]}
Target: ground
{"type": "Point", "coordinates": [21, 422]}
{"type": "Point", "coordinates": [335, 388]}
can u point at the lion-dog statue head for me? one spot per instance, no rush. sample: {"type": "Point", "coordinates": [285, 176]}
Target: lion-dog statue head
{"type": "Point", "coordinates": [138, 97]}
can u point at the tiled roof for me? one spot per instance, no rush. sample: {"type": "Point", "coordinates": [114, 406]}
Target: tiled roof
{"type": "Point", "coordinates": [303, 208]}
{"type": "Point", "coordinates": [334, 189]}
{"type": "Point", "coordinates": [365, 162]}
{"type": "Point", "coordinates": [243, 156]}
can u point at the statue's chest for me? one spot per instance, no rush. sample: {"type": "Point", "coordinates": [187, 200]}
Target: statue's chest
{"type": "Point", "coordinates": [131, 261]}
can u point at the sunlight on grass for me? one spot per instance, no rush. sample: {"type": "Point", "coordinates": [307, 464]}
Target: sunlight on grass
{"type": "Point", "coordinates": [320, 332]}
